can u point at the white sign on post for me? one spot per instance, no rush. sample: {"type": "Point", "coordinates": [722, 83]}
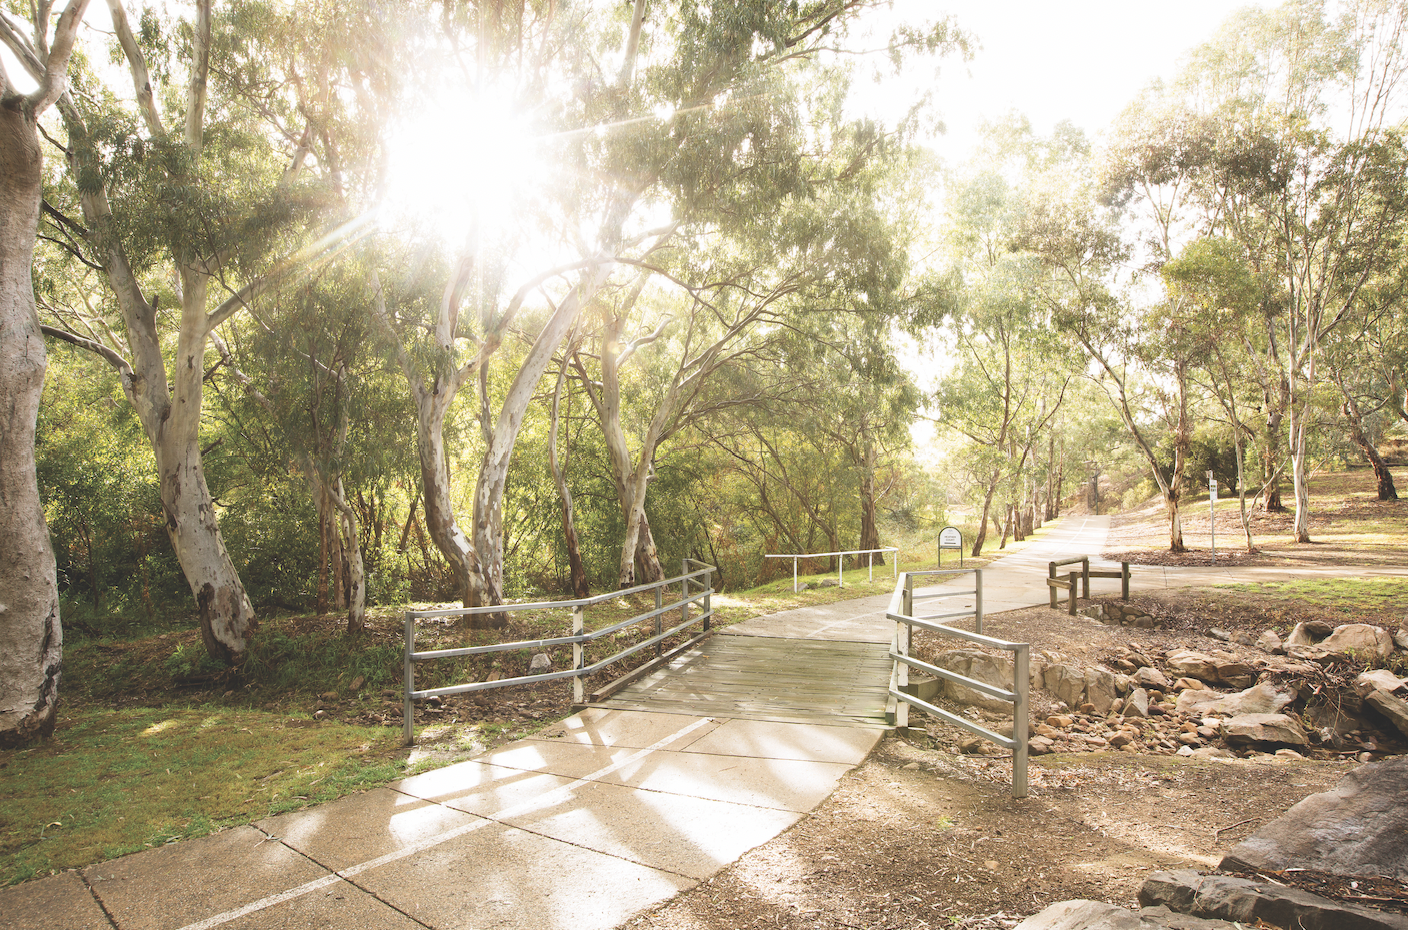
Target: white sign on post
{"type": "Point", "coordinates": [950, 538]}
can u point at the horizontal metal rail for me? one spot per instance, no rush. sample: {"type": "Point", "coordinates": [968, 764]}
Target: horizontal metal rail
{"type": "Point", "coordinates": [1085, 574]}
{"type": "Point", "coordinates": [840, 563]}
{"type": "Point", "coordinates": [901, 611]}
{"type": "Point", "coordinates": [579, 639]}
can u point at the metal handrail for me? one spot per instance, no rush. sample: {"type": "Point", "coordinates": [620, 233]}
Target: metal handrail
{"type": "Point", "coordinates": [840, 563]}
{"type": "Point", "coordinates": [578, 640]}
{"type": "Point", "coordinates": [901, 611]}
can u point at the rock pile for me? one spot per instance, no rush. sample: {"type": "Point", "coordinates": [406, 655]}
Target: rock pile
{"type": "Point", "coordinates": [1287, 698]}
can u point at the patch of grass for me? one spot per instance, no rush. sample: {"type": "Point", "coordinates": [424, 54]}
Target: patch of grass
{"type": "Point", "coordinates": [115, 782]}
{"type": "Point", "coordinates": [1348, 596]}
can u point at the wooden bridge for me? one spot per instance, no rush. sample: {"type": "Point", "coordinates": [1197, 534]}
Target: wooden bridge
{"type": "Point", "coordinates": [763, 677]}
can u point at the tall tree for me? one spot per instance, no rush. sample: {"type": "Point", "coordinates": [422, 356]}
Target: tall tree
{"type": "Point", "coordinates": [31, 637]}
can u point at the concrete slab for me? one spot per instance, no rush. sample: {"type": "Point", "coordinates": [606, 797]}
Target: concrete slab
{"type": "Point", "coordinates": [476, 787]}
{"type": "Point", "coordinates": [363, 826]}
{"type": "Point", "coordinates": [860, 621]}
{"type": "Point", "coordinates": [685, 835]}
{"type": "Point", "coordinates": [511, 879]}
{"type": "Point", "coordinates": [597, 726]}
{"type": "Point", "coordinates": [176, 885]}
{"type": "Point", "coordinates": [569, 760]}
{"type": "Point", "coordinates": [782, 784]}
{"type": "Point", "coordinates": [810, 742]}
{"type": "Point", "coordinates": [60, 901]}
{"type": "Point", "coordinates": [341, 905]}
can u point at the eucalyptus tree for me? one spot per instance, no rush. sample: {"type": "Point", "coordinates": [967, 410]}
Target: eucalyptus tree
{"type": "Point", "coordinates": [636, 123]}
{"type": "Point", "coordinates": [31, 638]}
{"type": "Point", "coordinates": [177, 211]}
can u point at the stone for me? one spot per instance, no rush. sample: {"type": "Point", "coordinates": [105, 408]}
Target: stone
{"type": "Point", "coordinates": [1264, 698]}
{"type": "Point", "coordinates": [1137, 704]}
{"type": "Point", "coordinates": [1319, 628]}
{"type": "Point", "coordinates": [1185, 663]}
{"type": "Point", "coordinates": [1096, 915]}
{"type": "Point", "coordinates": [1264, 728]}
{"type": "Point", "coordinates": [1213, 752]}
{"type": "Point", "coordinates": [1061, 721]}
{"type": "Point", "coordinates": [541, 663]}
{"type": "Point", "coordinates": [1040, 745]}
{"type": "Point", "coordinates": [1288, 754]}
{"type": "Point", "coordinates": [1308, 653]}
{"type": "Point", "coordinates": [1271, 642]}
{"type": "Point", "coordinates": [1100, 689]}
{"type": "Point", "coordinates": [1223, 635]}
{"type": "Point", "coordinates": [1358, 828]}
{"type": "Point", "coordinates": [1360, 640]}
{"type": "Point", "coordinates": [1189, 684]}
{"type": "Point", "coordinates": [1152, 678]}
{"type": "Point", "coordinates": [979, 666]}
{"type": "Point", "coordinates": [1233, 672]}
{"type": "Point", "coordinates": [1300, 636]}
{"type": "Point", "coordinates": [1400, 639]}
{"type": "Point", "coordinates": [1252, 903]}
{"type": "Point", "coordinates": [1379, 679]}
{"type": "Point", "coordinates": [1066, 682]}
{"type": "Point", "coordinates": [1392, 708]}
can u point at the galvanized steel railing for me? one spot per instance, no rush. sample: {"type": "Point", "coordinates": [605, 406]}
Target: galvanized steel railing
{"type": "Point", "coordinates": [901, 611]}
{"type": "Point", "coordinates": [696, 587]}
{"type": "Point", "coordinates": [841, 562]}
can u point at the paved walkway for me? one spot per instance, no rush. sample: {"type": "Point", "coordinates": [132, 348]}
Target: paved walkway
{"type": "Point", "coordinates": [582, 826]}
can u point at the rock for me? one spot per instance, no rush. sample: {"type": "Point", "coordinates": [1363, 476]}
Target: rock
{"type": "Point", "coordinates": [1264, 698]}
{"type": "Point", "coordinates": [1233, 672]}
{"type": "Point", "coordinates": [1288, 754]}
{"type": "Point", "coordinates": [1360, 640]}
{"type": "Point", "coordinates": [1394, 709]}
{"type": "Point", "coordinates": [320, 715]}
{"type": "Point", "coordinates": [1308, 653]}
{"type": "Point", "coordinates": [1189, 664]}
{"type": "Point", "coordinates": [1243, 638]}
{"type": "Point", "coordinates": [1271, 642]}
{"type": "Point", "coordinates": [970, 745]}
{"type": "Point", "coordinates": [1152, 678]}
{"type": "Point", "coordinates": [1319, 628]}
{"type": "Point", "coordinates": [1096, 915]}
{"type": "Point", "coordinates": [1137, 704]}
{"type": "Point", "coordinates": [1223, 635]}
{"type": "Point", "coordinates": [1264, 728]}
{"type": "Point", "coordinates": [1066, 682]}
{"type": "Point", "coordinates": [541, 663]}
{"type": "Point", "coordinates": [328, 696]}
{"type": "Point", "coordinates": [979, 666]}
{"type": "Point", "coordinates": [357, 683]}
{"type": "Point", "coordinates": [1060, 721]}
{"type": "Point", "coordinates": [1379, 679]}
{"type": "Point", "coordinates": [1360, 827]}
{"type": "Point", "coordinates": [1300, 636]}
{"type": "Point", "coordinates": [1040, 745]}
{"type": "Point", "coordinates": [1400, 639]}
{"type": "Point", "coordinates": [1100, 689]}
{"type": "Point", "coordinates": [1224, 897]}
{"type": "Point", "coordinates": [1188, 684]}
{"type": "Point", "coordinates": [1213, 752]}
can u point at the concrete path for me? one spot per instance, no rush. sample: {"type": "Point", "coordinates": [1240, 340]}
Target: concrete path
{"type": "Point", "coordinates": [583, 826]}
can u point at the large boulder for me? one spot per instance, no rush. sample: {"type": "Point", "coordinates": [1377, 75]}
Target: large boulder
{"type": "Point", "coordinates": [1264, 698]}
{"type": "Point", "coordinates": [1261, 904]}
{"type": "Point", "coordinates": [1067, 682]}
{"type": "Point", "coordinates": [1264, 728]}
{"type": "Point", "coordinates": [1378, 679]}
{"type": "Point", "coordinates": [1187, 663]}
{"type": "Point", "coordinates": [1360, 827]}
{"type": "Point", "coordinates": [1391, 708]}
{"type": "Point", "coordinates": [979, 666]}
{"type": "Point", "coordinates": [1360, 640]}
{"type": "Point", "coordinates": [1152, 678]}
{"type": "Point", "coordinates": [1096, 915]}
{"type": "Point", "coordinates": [1100, 689]}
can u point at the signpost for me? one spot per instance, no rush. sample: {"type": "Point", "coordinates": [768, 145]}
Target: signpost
{"type": "Point", "coordinates": [950, 538]}
{"type": "Point", "coordinates": [1212, 513]}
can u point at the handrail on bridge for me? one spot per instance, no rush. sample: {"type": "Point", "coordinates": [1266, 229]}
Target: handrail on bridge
{"type": "Point", "coordinates": [700, 574]}
{"type": "Point", "coordinates": [1085, 574]}
{"type": "Point", "coordinates": [901, 611]}
{"type": "Point", "coordinates": [841, 562]}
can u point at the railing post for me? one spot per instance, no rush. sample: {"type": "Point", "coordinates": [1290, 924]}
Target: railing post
{"type": "Point", "coordinates": [978, 601]}
{"type": "Point", "coordinates": [1124, 581]}
{"type": "Point", "coordinates": [896, 564]}
{"type": "Point", "coordinates": [1085, 577]}
{"type": "Point", "coordinates": [903, 633]}
{"type": "Point", "coordinates": [1021, 687]}
{"type": "Point", "coordinates": [841, 570]}
{"type": "Point", "coordinates": [870, 564]}
{"type": "Point", "coordinates": [709, 602]}
{"type": "Point", "coordinates": [794, 574]}
{"type": "Point", "coordinates": [1051, 576]}
{"type": "Point", "coordinates": [1071, 600]}
{"type": "Point", "coordinates": [659, 602]}
{"type": "Point", "coordinates": [579, 657]}
{"type": "Point", "coordinates": [408, 719]}
{"type": "Point", "coordinates": [684, 597]}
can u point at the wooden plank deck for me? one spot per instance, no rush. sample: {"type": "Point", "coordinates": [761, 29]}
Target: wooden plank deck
{"type": "Point", "coordinates": [769, 678]}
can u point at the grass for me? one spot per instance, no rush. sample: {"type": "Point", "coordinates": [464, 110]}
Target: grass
{"type": "Point", "coordinates": [1349, 597]}
{"type": "Point", "coordinates": [115, 782]}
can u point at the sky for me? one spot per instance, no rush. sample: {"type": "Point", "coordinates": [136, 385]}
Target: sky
{"type": "Point", "coordinates": [1082, 61]}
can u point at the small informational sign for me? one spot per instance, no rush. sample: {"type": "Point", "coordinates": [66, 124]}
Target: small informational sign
{"type": "Point", "coordinates": [950, 538]}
